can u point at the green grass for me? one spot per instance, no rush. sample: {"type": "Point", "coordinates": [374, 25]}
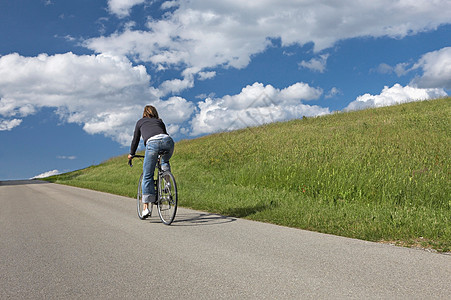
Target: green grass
{"type": "Point", "coordinates": [378, 174]}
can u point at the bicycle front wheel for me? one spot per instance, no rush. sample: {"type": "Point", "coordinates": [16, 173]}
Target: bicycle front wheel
{"type": "Point", "coordinates": [167, 198]}
{"type": "Point", "coordinates": [139, 199]}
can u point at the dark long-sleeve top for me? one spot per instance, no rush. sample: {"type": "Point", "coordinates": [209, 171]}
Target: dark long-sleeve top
{"type": "Point", "coordinates": [146, 128]}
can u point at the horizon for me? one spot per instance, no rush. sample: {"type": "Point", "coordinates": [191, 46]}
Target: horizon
{"type": "Point", "coordinates": [74, 77]}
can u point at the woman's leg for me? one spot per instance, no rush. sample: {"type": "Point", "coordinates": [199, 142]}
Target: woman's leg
{"type": "Point", "coordinates": [150, 160]}
{"type": "Point", "coordinates": [167, 144]}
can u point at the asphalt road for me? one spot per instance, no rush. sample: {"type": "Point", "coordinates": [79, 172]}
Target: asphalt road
{"type": "Point", "coordinates": [60, 242]}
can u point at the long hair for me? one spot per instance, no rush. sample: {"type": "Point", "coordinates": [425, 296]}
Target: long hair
{"type": "Point", "coordinates": [150, 112]}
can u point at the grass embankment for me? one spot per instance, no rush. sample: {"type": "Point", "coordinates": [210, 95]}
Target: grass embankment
{"type": "Point", "coordinates": [378, 174]}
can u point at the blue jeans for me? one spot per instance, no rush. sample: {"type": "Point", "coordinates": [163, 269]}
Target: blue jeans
{"type": "Point", "coordinates": [150, 161]}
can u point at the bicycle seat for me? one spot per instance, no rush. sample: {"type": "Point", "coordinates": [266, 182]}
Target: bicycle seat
{"type": "Point", "coordinates": [163, 152]}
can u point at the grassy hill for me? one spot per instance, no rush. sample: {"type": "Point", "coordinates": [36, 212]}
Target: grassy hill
{"type": "Point", "coordinates": [378, 174]}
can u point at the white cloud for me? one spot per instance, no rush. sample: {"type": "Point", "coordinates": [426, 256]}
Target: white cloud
{"type": "Point", "coordinates": [210, 33]}
{"type": "Point", "coordinates": [333, 92]}
{"type": "Point", "coordinates": [103, 93]}
{"type": "Point", "coordinates": [436, 68]}
{"type": "Point", "coordinates": [206, 75]}
{"type": "Point", "coordinates": [316, 64]}
{"type": "Point", "coordinates": [9, 124]}
{"type": "Point", "coordinates": [299, 91]}
{"type": "Point", "coordinates": [122, 8]}
{"type": "Point", "coordinates": [402, 69]}
{"type": "Point", "coordinates": [176, 85]}
{"type": "Point", "coordinates": [384, 68]}
{"type": "Point", "coordinates": [70, 157]}
{"type": "Point", "coordinates": [257, 104]}
{"type": "Point", "coordinates": [169, 4]}
{"type": "Point", "coordinates": [397, 94]}
{"type": "Point", "coordinates": [174, 110]}
{"type": "Point", "coordinates": [47, 174]}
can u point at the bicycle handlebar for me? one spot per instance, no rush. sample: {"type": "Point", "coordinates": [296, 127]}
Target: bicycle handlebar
{"type": "Point", "coordinates": [130, 160]}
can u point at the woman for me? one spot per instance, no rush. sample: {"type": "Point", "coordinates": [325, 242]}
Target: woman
{"type": "Point", "coordinates": [153, 131]}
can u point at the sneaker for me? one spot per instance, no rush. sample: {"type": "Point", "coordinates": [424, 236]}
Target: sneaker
{"type": "Point", "coordinates": [146, 212]}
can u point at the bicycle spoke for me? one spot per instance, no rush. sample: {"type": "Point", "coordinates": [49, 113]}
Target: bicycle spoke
{"type": "Point", "coordinates": [167, 193]}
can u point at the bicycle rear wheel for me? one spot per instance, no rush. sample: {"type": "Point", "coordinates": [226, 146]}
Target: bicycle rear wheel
{"type": "Point", "coordinates": [167, 198]}
{"type": "Point", "coordinates": [140, 202]}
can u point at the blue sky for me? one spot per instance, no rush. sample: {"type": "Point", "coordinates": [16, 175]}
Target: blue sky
{"type": "Point", "coordinates": [75, 75]}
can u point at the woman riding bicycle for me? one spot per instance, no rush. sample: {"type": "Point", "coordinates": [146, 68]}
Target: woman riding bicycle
{"type": "Point", "coordinates": [153, 131]}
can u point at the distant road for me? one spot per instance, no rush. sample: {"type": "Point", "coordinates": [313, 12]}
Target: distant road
{"type": "Point", "coordinates": [60, 242]}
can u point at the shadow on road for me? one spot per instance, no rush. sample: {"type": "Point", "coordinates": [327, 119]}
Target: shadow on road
{"type": "Point", "coordinates": [194, 219]}
{"type": "Point", "coordinates": [22, 182]}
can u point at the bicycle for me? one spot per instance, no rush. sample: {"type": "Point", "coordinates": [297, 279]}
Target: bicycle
{"type": "Point", "coordinates": [166, 193]}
